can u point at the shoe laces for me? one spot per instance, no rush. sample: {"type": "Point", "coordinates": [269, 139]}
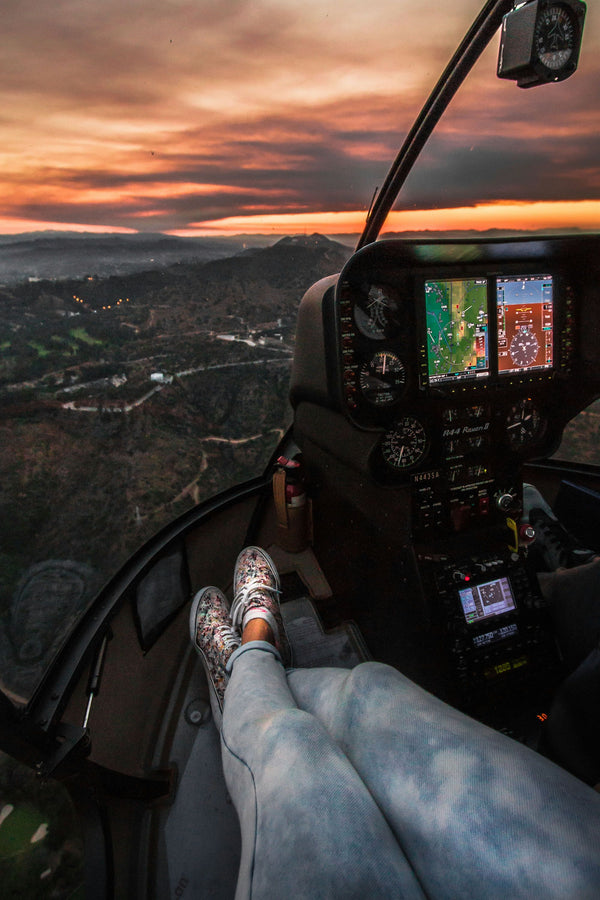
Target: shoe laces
{"type": "Point", "coordinates": [252, 590]}
{"type": "Point", "coordinates": [228, 636]}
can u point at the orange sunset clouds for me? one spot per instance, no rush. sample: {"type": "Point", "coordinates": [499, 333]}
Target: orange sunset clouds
{"type": "Point", "coordinates": [191, 117]}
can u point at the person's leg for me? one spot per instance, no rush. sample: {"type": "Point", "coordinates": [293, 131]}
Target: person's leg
{"type": "Point", "coordinates": [574, 727]}
{"type": "Point", "coordinates": [477, 814]}
{"type": "Point", "coordinates": [554, 547]}
{"type": "Point", "coordinates": [573, 596]}
{"type": "Point", "coordinates": [310, 828]}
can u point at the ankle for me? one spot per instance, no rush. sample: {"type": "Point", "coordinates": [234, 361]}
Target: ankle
{"type": "Point", "coordinates": [258, 630]}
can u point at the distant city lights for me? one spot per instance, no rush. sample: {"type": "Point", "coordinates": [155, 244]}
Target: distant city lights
{"type": "Point", "coordinates": [107, 306]}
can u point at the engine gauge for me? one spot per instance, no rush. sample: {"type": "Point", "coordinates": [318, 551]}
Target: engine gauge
{"type": "Point", "coordinates": [376, 313]}
{"type": "Point", "coordinates": [406, 444]}
{"type": "Point", "coordinates": [382, 379]}
{"type": "Point", "coordinates": [524, 423]}
{"type": "Point", "coordinates": [524, 347]}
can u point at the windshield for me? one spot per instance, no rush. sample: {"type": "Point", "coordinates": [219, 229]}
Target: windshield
{"type": "Point", "coordinates": [511, 160]}
{"type": "Point", "coordinates": [153, 156]}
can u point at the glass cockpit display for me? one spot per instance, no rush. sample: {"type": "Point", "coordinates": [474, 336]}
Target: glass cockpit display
{"type": "Point", "coordinates": [457, 329]}
{"type": "Point", "coordinates": [461, 341]}
{"type": "Point", "coordinates": [483, 601]}
{"type": "Point", "coordinates": [524, 308]}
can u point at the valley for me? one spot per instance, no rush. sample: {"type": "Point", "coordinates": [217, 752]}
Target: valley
{"type": "Point", "coordinates": [124, 402]}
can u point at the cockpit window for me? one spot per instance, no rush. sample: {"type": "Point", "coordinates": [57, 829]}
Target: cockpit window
{"type": "Point", "coordinates": [580, 442]}
{"type": "Point", "coordinates": [510, 160]}
{"type": "Point", "coordinates": [126, 399]}
{"type": "Point", "coordinates": [98, 455]}
{"type": "Point", "coordinates": [41, 849]}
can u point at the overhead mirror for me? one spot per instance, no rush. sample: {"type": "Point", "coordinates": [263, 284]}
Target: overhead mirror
{"type": "Point", "coordinates": [540, 41]}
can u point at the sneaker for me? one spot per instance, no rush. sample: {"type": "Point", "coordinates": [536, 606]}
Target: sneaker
{"type": "Point", "coordinates": [256, 590]}
{"type": "Point", "coordinates": [215, 640]}
{"type": "Point", "coordinates": [532, 499]}
{"type": "Point", "coordinates": [558, 548]}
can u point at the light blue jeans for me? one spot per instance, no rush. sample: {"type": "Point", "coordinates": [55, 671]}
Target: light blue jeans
{"type": "Point", "coordinates": [356, 783]}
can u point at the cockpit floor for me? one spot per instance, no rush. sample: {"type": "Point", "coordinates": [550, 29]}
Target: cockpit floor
{"type": "Point", "coordinates": [198, 836]}
{"type": "Point", "coordinates": [342, 647]}
{"type": "Point", "coordinates": [197, 847]}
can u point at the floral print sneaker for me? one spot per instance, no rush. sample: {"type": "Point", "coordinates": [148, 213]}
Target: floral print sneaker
{"type": "Point", "coordinates": [215, 640]}
{"type": "Point", "coordinates": [256, 596]}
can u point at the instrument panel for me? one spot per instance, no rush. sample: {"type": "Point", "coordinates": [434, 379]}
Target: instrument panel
{"type": "Point", "coordinates": [425, 375]}
{"type": "Point", "coordinates": [456, 365]}
{"type": "Point", "coordinates": [439, 367]}
{"type": "Point", "coordinates": [441, 334]}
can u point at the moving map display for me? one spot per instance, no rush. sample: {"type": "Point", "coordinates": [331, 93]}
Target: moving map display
{"type": "Point", "coordinates": [484, 600]}
{"type": "Point", "coordinates": [457, 329]}
{"type": "Point", "coordinates": [524, 307]}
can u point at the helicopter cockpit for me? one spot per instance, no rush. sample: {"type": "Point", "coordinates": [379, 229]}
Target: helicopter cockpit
{"type": "Point", "coordinates": [446, 367]}
{"type": "Point", "coordinates": [431, 383]}
{"type": "Point", "coordinates": [426, 377]}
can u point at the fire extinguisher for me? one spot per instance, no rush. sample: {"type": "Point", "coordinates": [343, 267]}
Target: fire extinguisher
{"type": "Point", "coordinates": [291, 505]}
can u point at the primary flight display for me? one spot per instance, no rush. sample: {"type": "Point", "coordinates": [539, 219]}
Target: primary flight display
{"type": "Point", "coordinates": [524, 308]}
{"type": "Point", "coordinates": [458, 333]}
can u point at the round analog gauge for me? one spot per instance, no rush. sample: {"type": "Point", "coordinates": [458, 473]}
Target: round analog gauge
{"type": "Point", "coordinates": [376, 313]}
{"type": "Point", "coordinates": [382, 379]}
{"type": "Point", "coordinates": [524, 347]}
{"type": "Point", "coordinates": [406, 444]}
{"type": "Point", "coordinates": [554, 36]}
{"type": "Point", "coordinates": [524, 423]}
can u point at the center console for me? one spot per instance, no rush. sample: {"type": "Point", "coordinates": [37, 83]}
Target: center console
{"type": "Point", "coordinates": [495, 626]}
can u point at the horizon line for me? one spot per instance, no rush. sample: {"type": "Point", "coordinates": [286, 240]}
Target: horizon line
{"type": "Point", "coordinates": [520, 216]}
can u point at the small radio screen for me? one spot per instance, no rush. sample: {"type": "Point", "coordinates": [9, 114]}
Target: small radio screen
{"type": "Point", "coordinates": [456, 315]}
{"type": "Point", "coordinates": [492, 637]}
{"type": "Point", "coordinates": [483, 601]}
{"type": "Point", "coordinates": [525, 314]}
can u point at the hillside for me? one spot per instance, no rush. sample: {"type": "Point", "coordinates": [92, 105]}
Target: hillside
{"type": "Point", "coordinates": [58, 255]}
{"type": "Point", "coordinates": [125, 401]}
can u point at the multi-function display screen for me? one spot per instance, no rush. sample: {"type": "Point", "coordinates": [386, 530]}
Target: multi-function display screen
{"type": "Point", "coordinates": [524, 308]}
{"type": "Point", "coordinates": [457, 329]}
{"type": "Point", "coordinates": [482, 601]}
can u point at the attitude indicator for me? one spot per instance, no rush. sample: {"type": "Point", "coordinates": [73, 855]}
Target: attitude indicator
{"type": "Point", "coordinates": [525, 315]}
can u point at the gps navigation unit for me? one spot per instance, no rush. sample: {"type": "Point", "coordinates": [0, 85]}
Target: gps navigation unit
{"type": "Point", "coordinates": [484, 601]}
{"type": "Point", "coordinates": [457, 329]}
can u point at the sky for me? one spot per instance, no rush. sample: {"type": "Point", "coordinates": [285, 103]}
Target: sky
{"type": "Point", "coordinates": [196, 117]}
